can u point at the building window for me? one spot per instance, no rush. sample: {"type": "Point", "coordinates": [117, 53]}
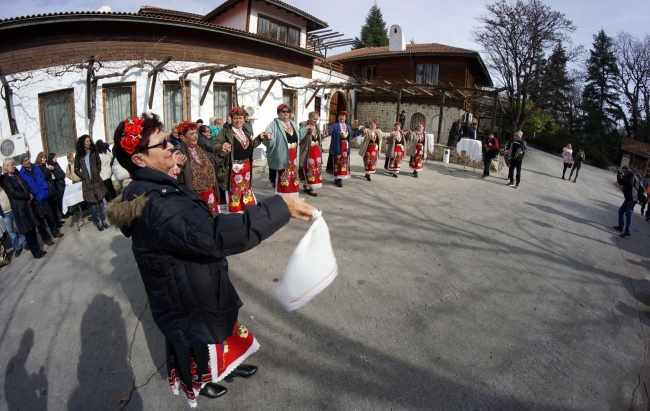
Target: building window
{"type": "Point", "coordinates": [173, 102]}
{"type": "Point", "coordinates": [58, 121]}
{"type": "Point", "coordinates": [289, 98]}
{"type": "Point", "coordinates": [223, 98]}
{"type": "Point", "coordinates": [368, 72]}
{"type": "Point", "coordinates": [119, 103]}
{"type": "Point", "coordinates": [427, 73]}
{"type": "Point", "coordinates": [266, 26]}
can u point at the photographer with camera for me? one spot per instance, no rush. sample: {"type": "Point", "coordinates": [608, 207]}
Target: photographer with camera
{"type": "Point", "coordinates": [627, 180]}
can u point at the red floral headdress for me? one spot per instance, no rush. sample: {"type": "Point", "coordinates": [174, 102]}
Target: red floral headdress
{"type": "Point", "coordinates": [131, 134]}
{"type": "Point", "coordinates": [281, 106]}
{"type": "Point", "coordinates": [183, 126]}
{"type": "Point", "coordinates": [421, 123]}
{"type": "Point", "coordinates": [233, 110]}
{"type": "Point", "coordinates": [345, 113]}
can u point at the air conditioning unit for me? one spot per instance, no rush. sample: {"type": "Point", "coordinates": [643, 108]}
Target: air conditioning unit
{"type": "Point", "coordinates": [12, 146]}
{"type": "Point", "coordinates": [250, 110]}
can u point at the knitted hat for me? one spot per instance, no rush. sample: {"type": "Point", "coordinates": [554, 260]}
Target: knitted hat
{"type": "Point", "coordinates": [22, 157]}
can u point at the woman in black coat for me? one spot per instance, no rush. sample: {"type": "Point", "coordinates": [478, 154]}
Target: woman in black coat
{"type": "Point", "coordinates": [181, 250]}
{"type": "Point", "coordinates": [21, 199]}
{"type": "Point", "coordinates": [87, 166]}
{"type": "Point", "coordinates": [59, 180]}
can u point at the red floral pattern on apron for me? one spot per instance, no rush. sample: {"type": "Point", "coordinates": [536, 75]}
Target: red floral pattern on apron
{"type": "Point", "coordinates": [210, 199]}
{"type": "Point", "coordinates": [416, 160]}
{"type": "Point", "coordinates": [314, 166]}
{"type": "Point", "coordinates": [370, 159]}
{"type": "Point", "coordinates": [342, 162]}
{"type": "Point", "coordinates": [241, 193]}
{"type": "Point", "coordinates": [286, 180]}
{"type": "Point", "coordinates": [395, 163]}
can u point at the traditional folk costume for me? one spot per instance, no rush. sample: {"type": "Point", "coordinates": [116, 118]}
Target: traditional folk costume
{"type": "Point", "coordinates": [199, 175]}
{"type": "Point", "coordinates": [338, 161]}
{"type": "Point", "coordinates": [369, 150]}
{"type": "Point", "coordinates": [190, 368]}
{"type": "Point", "coordinates": [311, 159]}
{"type": "Point", "coordinates": [235, 173]}
{"type": "Point", "coordinates": [395, 151]}
{"type": "Point", "coordinates": [417, 151]}
{"type": "Point", "coordinates": [282, 156]}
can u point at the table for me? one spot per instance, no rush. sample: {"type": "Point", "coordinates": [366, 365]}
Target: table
{"type": "Point", "coordinates": [473, 148]}
{"type": "Point", "coordinates": [73, 196]}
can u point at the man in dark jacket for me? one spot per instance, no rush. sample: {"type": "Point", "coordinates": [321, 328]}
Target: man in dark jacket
{"type": "Point", "coordinates": [454, 133]}
{"type": "Point", "coordinates": [628, 182]}
{"type": "Point", "coordinates": [517, 148]}
{"type": "Point", "coordinates": [34, 178]}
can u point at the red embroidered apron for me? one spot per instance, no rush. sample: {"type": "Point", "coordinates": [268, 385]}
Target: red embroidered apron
{"type": "Point", "coordinates": [210, 199]}
{"type": "Point", "coordinates": [370, 159]}
{"type": "Point", "coordinates": [241, 193]}
{"type": "Point", "coordinates": [314, 166]}
{"type": "Point", "coordinates": [287, 181]}
{"type": "Point", "coordinates": [342, 162]}
{"type": "Point", "coordinates": [417, 157]}
{"type": "Point", "coordinates": [395, 163]}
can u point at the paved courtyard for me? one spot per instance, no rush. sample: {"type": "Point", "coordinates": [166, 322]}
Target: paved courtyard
{"type": "Point", "coordinates": [454, 292]}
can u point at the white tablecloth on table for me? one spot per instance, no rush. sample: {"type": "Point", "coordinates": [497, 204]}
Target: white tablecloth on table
{"type": "Point", "coordinates": [259, 153]}
{"type": "Point", "coordinates": [474, 148]}
{"type": "Point", "coordinates": [72, 195]}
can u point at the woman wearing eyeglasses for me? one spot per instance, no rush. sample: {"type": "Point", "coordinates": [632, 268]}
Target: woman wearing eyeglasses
{"type": "Point", "coordinates": [282, 155]}
{"type": "Point", "coordinates": [87, 166]}
{"type": "Point", "coordinates": [198, 171]}
{"type": "Point", "coordinates": [180, 250]}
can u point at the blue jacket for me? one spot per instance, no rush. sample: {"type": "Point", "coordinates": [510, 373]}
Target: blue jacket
{"type": "Point", "coordinates": [335, 131]}
{"type": "Point", "coordinates": [36, 182]}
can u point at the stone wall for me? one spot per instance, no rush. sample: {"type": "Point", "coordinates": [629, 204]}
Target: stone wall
{"type": "Point", "coordinates": [385, 113]}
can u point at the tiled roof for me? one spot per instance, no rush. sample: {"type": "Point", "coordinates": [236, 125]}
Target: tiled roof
{"type": "Point", "coordinates": [226, 4]}
{"type": "Point", "coordinates": [425, 48]}
{"type": "Point", "coordinates": [635, 147]}
{"type": "Point", "coordinates": [154, 9]}
{"type": "Point", "coordinates": [178, 18]}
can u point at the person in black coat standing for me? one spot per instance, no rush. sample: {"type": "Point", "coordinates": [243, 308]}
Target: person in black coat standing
{"type": "Point", "coordinates": [22, 201]}
{"type": "Point", "coordinates": [181, 250]}
{"type": "Point", "coordinates": [517, 148]}
{"type": "Point", "coordinates": [628, 182]}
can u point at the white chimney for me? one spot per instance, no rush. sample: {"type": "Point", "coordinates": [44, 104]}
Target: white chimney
{"type": "Point", "coordinates": [396, 40]}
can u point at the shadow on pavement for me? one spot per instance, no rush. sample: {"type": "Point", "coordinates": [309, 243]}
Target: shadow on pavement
{"type": "Point", "coordinates": [103, 370]}
{"type": "Point", "coordinates": [25, 391]}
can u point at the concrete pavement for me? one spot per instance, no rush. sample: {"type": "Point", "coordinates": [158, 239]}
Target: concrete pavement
{"type": "Point", "coordinates": [454, 292]}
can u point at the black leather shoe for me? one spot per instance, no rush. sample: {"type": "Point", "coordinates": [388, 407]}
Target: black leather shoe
{"type": "Point", "coordinates": [212, 390]}
{"type": "Point", "coordinates": [244, 371]}
{"type": "Point", "coordinates": [618, 228]}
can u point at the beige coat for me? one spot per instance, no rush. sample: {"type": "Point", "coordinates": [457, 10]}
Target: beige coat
{"type": "Point", "coordinates": [409, 147]}
{"type": "Point", "coordinates": [366, 140]}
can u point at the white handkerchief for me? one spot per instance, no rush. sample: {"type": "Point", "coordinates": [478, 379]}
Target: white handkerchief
{"type": "Point", "coordinates": [310, 270]}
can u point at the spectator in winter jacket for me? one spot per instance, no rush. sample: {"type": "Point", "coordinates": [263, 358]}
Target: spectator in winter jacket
{"type": "Point", "coordinates": [490, 150]}
{"type": "Point", "coordinates": [577, 163]}
{"type": "Point", "coordinates": [517, 150]}
{"type": "Point", "coordinates": [69, 170]}
{"type": "Point", "coordinates": [34, 178]}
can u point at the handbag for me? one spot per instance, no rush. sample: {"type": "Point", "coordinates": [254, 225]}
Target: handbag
{"type": "Point", "coordinates": [4, 260]}
{"type": "Point", "coordinates": [38, 210]}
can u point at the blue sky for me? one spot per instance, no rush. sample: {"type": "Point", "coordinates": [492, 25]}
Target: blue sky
{"type": "Point", "coordinates": [424, 21]}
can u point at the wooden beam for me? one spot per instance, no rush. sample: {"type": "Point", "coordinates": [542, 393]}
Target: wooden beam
{"type": "Point", "coordinates": [442, 105]}
{"type": "Point", "coordinates": [312, 97]}
{"type": "Point", "coordinates": [266, 93]}
{"type": "Point", "coordinates": [399, 105]}
{"type": "Point", "coordinates": [153, 89]}
{"type": "Point", "coordinates": [207, 87]}
{"type": "Point", "coordinates": [159, 66]}
{"type": "Point", "coordinates": [8, 98]}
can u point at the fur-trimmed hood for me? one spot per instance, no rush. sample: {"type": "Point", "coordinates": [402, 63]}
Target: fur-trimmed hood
{"type": "Point", "coordinates": [121, 213]}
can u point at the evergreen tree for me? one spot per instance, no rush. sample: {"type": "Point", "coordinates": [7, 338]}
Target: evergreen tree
{"type": "Point", "coordinates": [374, 32]}
{"type": "Point", "coordinates": [557, 83]}
{"type": "Point", "coordinates": [599, 99]}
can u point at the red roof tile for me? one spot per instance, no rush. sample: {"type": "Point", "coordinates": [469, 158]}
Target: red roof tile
{"type": "Point", "coordinates": [635, 147]}
{"type": "Point", "coordinates": [425, 48]}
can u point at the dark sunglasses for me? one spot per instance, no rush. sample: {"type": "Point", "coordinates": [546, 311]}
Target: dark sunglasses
{"type": "Point", "coordinates": [285, 111]}
{"type": "Point", "coordinates": [162, 144]}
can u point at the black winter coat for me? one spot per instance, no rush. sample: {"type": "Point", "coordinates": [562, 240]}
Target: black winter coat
{"type": "Point", "coordinates": [19, 199]}
{"type": "Point", "coordinates": [93, 187]}
{"type": "Point", "coordinates": [181, 251]}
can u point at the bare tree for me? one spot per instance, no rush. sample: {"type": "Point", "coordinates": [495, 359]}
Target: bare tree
{"type": "Point", "coordinates": [518, 37]}
{"type": "Point", "coordinates": [633, 78]}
